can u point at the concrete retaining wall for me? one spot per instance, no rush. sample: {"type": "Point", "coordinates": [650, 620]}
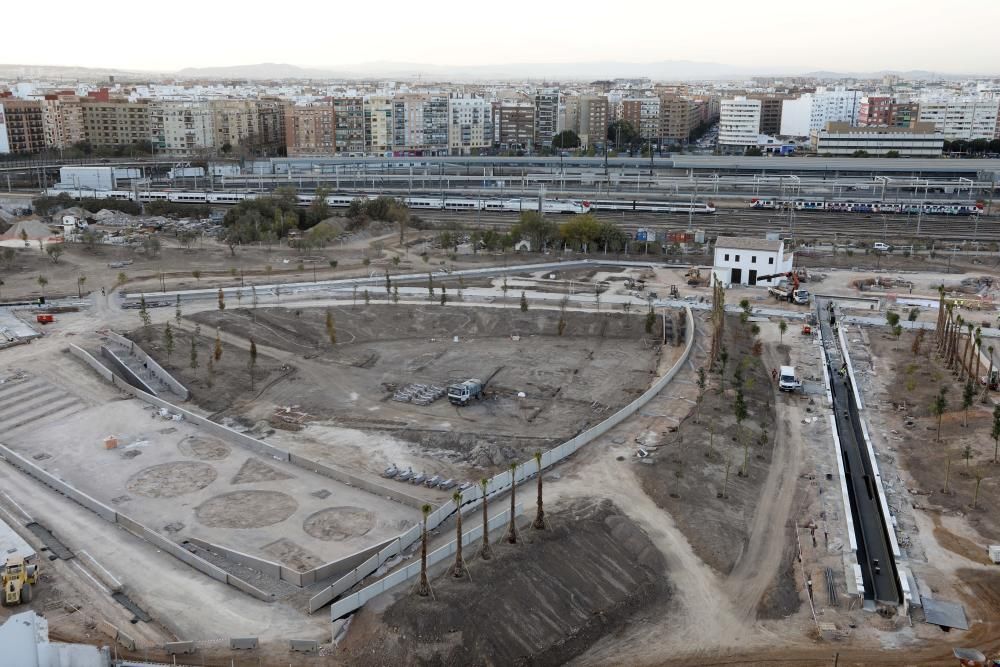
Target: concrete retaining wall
{"type": "Point", "coordinates": [124, 371]}
{"type": "Point", "coordinates": [361, 483]}
{"type": "Point", "coordinates": [267, 567]}
{"type": "Point", "coordinates": [502, 482]}
{"type": "Point", "coordinates": [157, 370]}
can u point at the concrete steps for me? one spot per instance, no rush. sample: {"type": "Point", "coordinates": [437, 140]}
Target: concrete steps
{"type": "Point", "coordinates": [62, 408]}
{"type": "Point", "coordinates": [28, 401]}
{"type": "Point", "coordinates": [33, 400]}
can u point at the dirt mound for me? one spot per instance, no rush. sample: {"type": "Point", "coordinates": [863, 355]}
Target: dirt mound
{"type": "Point", "coordinates": [167, 480]}
{"type": "Point", "coordinates": [246, 509]}
{"type": "Point", "coordinates": [257, 471]}
{"type": "Point", "coordinates": [339, 523]}
{"type": "Point", "coordinates": [205, 449]}
{"type": "Point", "coordinates": [540, 602]}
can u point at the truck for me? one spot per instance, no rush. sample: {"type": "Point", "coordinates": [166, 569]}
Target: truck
{"type": "Point", "coordinates": [791, 293]}
{"type": "Point", "coordinates": [787, 380]}
{"type": "Point", "coordinates": [461, 393]}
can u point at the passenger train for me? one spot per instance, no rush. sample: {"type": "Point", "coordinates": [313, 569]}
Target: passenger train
{"type": "Point", "coordinates": [415, 203]}
{"type": "Point", "coordinates": [929, 208]}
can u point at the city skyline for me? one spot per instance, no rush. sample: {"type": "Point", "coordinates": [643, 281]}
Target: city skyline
{"type": "Point", "coordinates": [786, 39]}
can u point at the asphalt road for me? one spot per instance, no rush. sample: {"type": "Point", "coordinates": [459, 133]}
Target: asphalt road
{"type": "Point", "coordinates": [878, 569]}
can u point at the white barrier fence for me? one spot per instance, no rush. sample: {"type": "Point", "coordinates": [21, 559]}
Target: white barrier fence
{"type": "Point", "coordinates": [500, 483]}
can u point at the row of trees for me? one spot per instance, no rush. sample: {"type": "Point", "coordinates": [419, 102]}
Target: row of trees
{"type": "Point", "coordinates": [581, 232]}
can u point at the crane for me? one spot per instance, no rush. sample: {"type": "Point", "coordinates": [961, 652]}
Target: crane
{"type": "Point", "coordinates": [793, 295]}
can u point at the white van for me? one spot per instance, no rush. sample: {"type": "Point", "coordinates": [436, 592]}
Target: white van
{"type": "Point", "coordinates": [879, 246]}
{"type": "Point", "coordinates": [787, 380]}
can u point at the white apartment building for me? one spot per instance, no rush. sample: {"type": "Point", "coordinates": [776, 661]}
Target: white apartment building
{"type": "Point", "coordinates": [739, 122]}
{"type": "Point", "coordinates": [181, 128]}
{"type": "Point", "coordinates": [378, 125]}
{"type": "Point", "coordinates": [469, 126]}
{"type": "Point", "coordinates": [546, 116]}
{"type": "Point", "coordinates": [961, 117]}
{"type": "Point", "coordinates": [812, 111]}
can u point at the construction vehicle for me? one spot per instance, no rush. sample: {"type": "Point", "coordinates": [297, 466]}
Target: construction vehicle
{"type": "Point", "coordinates": [991, 381]}
{"type": "Point", "coordinates": [462, 393]}
{"type": "Point", "coordinates": [18, 578]}
{"type": "Point", "coordinates": [674, 294]}
{"type": "Point", "coordinates": [787, 380]}
{"type": "Point", "coordinates": [694, 278]}
{"type": "Point", "coordinates": [637, 285]}
{"type": "Point", "coordinates": [792, 294]}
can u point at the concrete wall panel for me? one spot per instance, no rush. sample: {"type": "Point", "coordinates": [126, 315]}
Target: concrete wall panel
{"type": "Point", "coordinates": [157, 370]}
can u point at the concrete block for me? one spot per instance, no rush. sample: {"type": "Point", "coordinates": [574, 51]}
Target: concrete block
{"type": "Point", "coordinates": [303, 645]}
{"type": "Point", "coordinates": [241, 643]}
{"type": "Point", "coordinates": [178, 648]}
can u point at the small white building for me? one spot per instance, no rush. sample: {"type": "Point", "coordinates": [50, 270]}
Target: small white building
{"type": "Point", "coordinates": [739, 260]}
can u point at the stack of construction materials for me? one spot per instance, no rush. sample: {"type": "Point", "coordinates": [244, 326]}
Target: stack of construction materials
{"type": "Point", "coordinates": [419, 394]}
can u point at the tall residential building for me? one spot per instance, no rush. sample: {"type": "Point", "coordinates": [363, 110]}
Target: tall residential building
{"type": "Point", "coordinates": [812, 111]}
{"type": "Point", "coordinates": [25, 128]}
{"type": "Point", "coordinates": [770, 113]}
{"type": "Point", "coordinates": [739, 124]}
{"type": "Point", "coordinates": [546, 116]}
{"type": "Point", "coordinates": [569, 114]}
{"type": "Point", "coordinates": [349, 118]}
{"type": "Point", "coordinates": [515, 125]}
{"type": "Point", "coordinates": [181, 129]}
{"type": "Point", "coordinates": [469, 126]}
{"type": "Point", "coordinates": [961, 117]}
{"type": "Point", "coordinates": [420, 124]}
{"type": "Point", "coordinates": [62, 117]}
{"type": "Point", "coordinates": [115, 122]}
{"type": "Point", "coordinates": [236, 123]}
{"type": "Point", "coordinates": [4, 142]}
{"type": "Point", "coordinates": [886, 112]}
{"type": "Point", "coordinates": [270, 136]}
{"type": "Point", "coordinates": [643, 114]}
{"type": "Point", "coordinates": [678, 119]}
{"type": "Point", "coordinates": [309, 129]}
{"type": "Point", "coordinates": [593, 120]}
{"type": "Point", "coordinates": [378, 125]}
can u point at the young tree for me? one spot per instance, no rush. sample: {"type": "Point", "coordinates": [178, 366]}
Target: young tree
{"type": "Point", "coordinates": [967, 455]}
{"type": "Point", "coordinates": [650, 320]}
{"type": "Point", "coordinates": [430, 287]}
{"type": "Point", "coordinates": [222, 300]}
{"type": "Point", "coordinates": [79, 286]}
{"type": "Point", "coordinates": [424, 587]}
{"type": "Point", "coordinates": [196, 274]}
{"type": "Point", "coordinates": [210, 373]}
{"type": "Point", "coordinates": [947, 475]}
{"type": "Point", "coordinates": [913, 315]}
{"type": "Point", "coordinates": [194, 354]}
{"type": "Point", "coordinates": [524, 303]}
{"type": "Point", "coordinates": [782, 328]}
{"type": "Point", "coordinates": [512, 526]}
{"type": "Point", "coordinates": [504, 288]}
{"type": "Point", "coordinates": [723, 359]}
{"type": "Point", "coordinates": [702, 384]}
{"type": "Point", "coordinates": [168, 340]}
{"type": "Point", "coordinates": [458, 571]}
{"type": "Point", "coordinates": [122, 278]}
{"type": "Point", "coordinates": [444, 296]}
{"type": "Point", "coordinates": [177, 310]}
{"type": "Point", "coordinates": [54, 251]}
{"type": "Point", "coordinates": [42, 282]}
{"type": "Point", "coordinates": [968, 396]}
{"type": "Point", "coordinates": [144, 312]}
{"type": "Point", "coordinates": [388, 285]}
{"type": "Point", "coordinates": [217, 349]}
{"type": "Point", "coordinates": [740, 412]}
{"type": "Point", "coordinates": [485, 551]}
{"type": "Point", "coordinates": [938, 408]}
{"type": "Point", "coordinates": [995, 433]}
{"type": "Point", "coordinates": [975, 495]}
{"type": "Point", "coordinates": [253, 361]}
{"type": "Point", "coordinates": [395, 293]}
{"type": "Point", "coordinates": [539, 523]}
{"type": "Point", "coordinates": [368, 297]}
{"type": "Point", "coordinates": [331, 328]}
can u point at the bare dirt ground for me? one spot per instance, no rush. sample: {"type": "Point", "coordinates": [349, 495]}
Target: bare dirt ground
{"type": "Point", "coordinates": [547, 598]}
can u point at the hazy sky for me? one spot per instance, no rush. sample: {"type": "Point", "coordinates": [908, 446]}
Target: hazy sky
{"type": "Point", "coordinates": [769, 34]}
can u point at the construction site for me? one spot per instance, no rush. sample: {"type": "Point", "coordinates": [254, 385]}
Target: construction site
{"type": "Point", "coordinates": [501, 459]}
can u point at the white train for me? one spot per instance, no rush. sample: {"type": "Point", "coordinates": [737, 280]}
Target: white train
{"type": "Point", "coordinates": [929, 208]}
{"type": "Point", "coordinates": [653, 206]}
{"type": "Point", "coordinates": [339, 201]}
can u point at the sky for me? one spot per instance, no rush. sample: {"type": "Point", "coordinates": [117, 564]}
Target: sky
{"type": "Point", "coordinates": [791, 35]}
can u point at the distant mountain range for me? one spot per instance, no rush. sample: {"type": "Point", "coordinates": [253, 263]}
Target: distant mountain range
{"type": "Point", "coordinates": [666, 70]}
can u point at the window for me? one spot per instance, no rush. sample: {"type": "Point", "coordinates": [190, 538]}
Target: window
{"type": "Point", "coordinates": [726, 258]}
{"type": "Point", "coordinates": [737, 258]}
{"type": "Point", "coordinates": [770, 260]}
{"type": "Point", "coordinates": [753, 259]}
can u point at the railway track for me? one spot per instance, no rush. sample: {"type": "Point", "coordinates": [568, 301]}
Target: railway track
{"type": "Point", "coordinates": [747, 222]}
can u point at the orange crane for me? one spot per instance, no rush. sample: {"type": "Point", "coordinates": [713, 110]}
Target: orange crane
{"type": "Point", "coordinates": [793, 295]}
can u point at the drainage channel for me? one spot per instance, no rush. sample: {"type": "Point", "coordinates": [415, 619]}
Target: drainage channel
{"type": "Point", "coordinates": [57, 548]}
{"type": "Point", "coordinates": [878, 568]}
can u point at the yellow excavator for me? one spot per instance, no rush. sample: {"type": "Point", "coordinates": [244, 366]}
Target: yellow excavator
{"type": "Point", "coordinates": [18, 578]}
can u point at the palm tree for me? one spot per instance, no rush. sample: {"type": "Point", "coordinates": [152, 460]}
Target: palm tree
{"type": "Point", "coordinates": [938, 408]}
{"type": "Point", "coordinates": [459, 570]}
{"type": "Point", "coordinates": [424, 587]}
{"type": "Point", "coordinates": [485, 551]}
{"type": "Point", "coordinates": [539, 523]}
{"type": "Point", "coordinates": [512, 527]}
{"type": "Point", "coordinates": [986, 387]}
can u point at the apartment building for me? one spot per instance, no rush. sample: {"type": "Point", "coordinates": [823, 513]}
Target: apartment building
{"type": "Point", "coordinates": [270, 136]}
{"type": "Point", "coordinates": [841, 139]}
{"type": "Point", "coordinates": [812, 111]}
{"type": "Point", "coordinates": [235, 122]}
{"type": "Point", "coordinates": [25, 129]}
{"type": "Point", "coordinates": [514, 124]}
{"type": "Point", "coordinates": [643, 114]}
{"type": "Point", "coordinates": [310, 129]}
{"type": "Point", "coordinates": [770, 113]}
{"type": "Point", "coordinates": [886, 112]}
{"type": "Point", "coordinates": [546, 116]}
{"type": "Point", "coordinates": [420, 124]}
{"type": "Point", "coordinates": [378, 125]}
{"type": "Point", "coordinates": [678, 119]}
{"type": "Point", "coordinates": [739, 124]}
{"type": "Point", "coordinates": [961, 117]}
{"type": "Point", "coordinates": [569, 113]}
{"type": "Point", "coordinates": [469, 126]}
{"type": "Point", "coordinates": [115, 122]}
{"type": "Point", "coordinates": [181, 129]}
{"type": "Point", "coordinates": [593, 120]}
{"type": "Point", "coordinates": [62, 118]}
{"type": "Point", "coordinates": [349, 121]}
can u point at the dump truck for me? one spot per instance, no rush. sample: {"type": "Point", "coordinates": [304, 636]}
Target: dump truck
{"type": "Point", "coordinates": [18, 578]}
{"type": "Point", "coordinates": [462, 393]}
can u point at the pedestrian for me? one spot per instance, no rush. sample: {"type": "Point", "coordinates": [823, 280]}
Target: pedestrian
{"type": "Point", "coordinates": [774, 375]}
{"type": "Point", "coordinates": [102, 292]}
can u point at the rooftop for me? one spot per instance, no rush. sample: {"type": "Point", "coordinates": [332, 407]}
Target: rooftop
{"type": "Point", "coordinates": [747, 243]}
